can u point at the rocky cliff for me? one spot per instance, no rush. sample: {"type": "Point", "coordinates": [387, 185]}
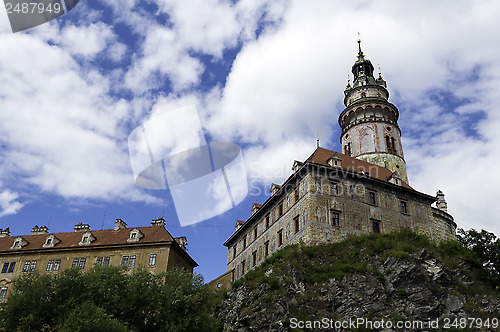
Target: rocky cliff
{"type": "Point", "coordinates": [392, 282]}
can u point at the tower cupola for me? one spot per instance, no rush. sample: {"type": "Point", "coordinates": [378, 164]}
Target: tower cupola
{"type": "Point", "coordinates": [369, 122]}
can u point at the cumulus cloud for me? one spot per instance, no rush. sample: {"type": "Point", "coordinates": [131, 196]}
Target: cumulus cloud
{"type": "Point", "coordinates": [65, 123]}
{"type": "Point", "coordinates": [9, 203]}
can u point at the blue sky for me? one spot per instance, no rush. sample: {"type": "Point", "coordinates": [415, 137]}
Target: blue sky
{"type": "Point", "coordinates": [267, 75]}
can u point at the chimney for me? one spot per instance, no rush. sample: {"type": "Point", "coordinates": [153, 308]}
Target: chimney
{"type": "Point", "coordinates": [39, 230]}
{"type": "Point", "coordinates": [119, 224]}
{"type": "Point", "coordinates": [441, 203]}
{"type": "Point", "coordinates": [82, 227]}
{"type": "Point", "coordinates": [158, 222]}
{"type": "Point", "coordinates": [182, 242]}
{"type": "Point", "coordinates": [5, 232]}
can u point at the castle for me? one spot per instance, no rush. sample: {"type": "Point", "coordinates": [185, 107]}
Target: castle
{"type": "Point", "coordinates": [331, 195]}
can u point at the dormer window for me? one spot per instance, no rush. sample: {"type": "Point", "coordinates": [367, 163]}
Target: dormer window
{"type": "Point", "coordinates": [50, 241]}
{"type": "Point", "coordinates": [335, 161]}
{"type": "Point", "coordinates": [135, 235]}
{"type": "Point", "coordinates": [87, 238]}
{"type": "Point", "coordinates": [19, 242]}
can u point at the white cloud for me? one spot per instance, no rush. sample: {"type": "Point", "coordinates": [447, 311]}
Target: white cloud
{"type": "Point", "coordinates": [62, 129]}
{"type": "Point", "coordinates": [288, 85]}
{"type": "Point", "coordinates": [9, 203]}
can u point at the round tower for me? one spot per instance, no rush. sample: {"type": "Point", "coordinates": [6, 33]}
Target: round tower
{"type": "Point", "coordinates": [369, 123]}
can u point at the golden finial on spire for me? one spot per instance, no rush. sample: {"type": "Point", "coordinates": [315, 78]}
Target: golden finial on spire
{"type": "Point", "coordinates": [360, 53]}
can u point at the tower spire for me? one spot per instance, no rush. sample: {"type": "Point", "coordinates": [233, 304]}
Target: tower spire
{"type": "Point", "coordinates": [360, 53]}
{"type": "Point", "coordinates": [369, 123]}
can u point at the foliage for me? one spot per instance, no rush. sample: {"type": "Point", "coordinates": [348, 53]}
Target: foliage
{"type": "Point", "coordinates": [109, 299]}
{"type": "Point", "coordinates": [486, 248]}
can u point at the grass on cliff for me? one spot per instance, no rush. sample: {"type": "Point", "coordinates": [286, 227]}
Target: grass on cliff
{"type": "Point", "coordinates": [320, 263]}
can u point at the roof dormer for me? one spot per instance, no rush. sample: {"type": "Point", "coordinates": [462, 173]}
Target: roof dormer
{"type": "Point", "coordinates": [256, 207]}
{"type": "Point", "coordinates": [50, 241]}
{"type": "Point", "coordinates": [135, 235]}
{"type": "Point", "coordinates": [87, 238]}
{"type": "Point", "coordinates": [19, 242]}
{"type": "Point", "coordinates": [239, 223]}
{"type": "Point", "coordinates": [335, 160]}
{"type": "Point", "coordinates": [274, 188]}
{"type": "Point", "coordinates": [395, 179]}
{"type": "Point", "coordinates": [297, 165]}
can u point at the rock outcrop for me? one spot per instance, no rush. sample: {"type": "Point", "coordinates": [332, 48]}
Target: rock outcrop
{"type": "Point", "coordinates": [336, 285]}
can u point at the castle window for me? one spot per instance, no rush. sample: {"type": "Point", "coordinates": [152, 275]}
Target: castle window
{"type": "Point", "coordinates": [29, 266]}
{"type": "Point", "coordinates": [267, 221]}
{"type": "Point", "coordinates": [11, 267]}
{"type": "Point", "coordinates": [244, 242]}
{"type": "Point", "coordinates": [50, 264]}
{"type": "Point", "coordinates": [254, 258]}
{"type": "Point", "coordinates": [125, 260]}
{"type": "Point", "coordinates": [388, 144]}
{"type": "Point", "coordinates": [242, 266]}
{"type": "Point", "coordinates": [5, 267]}
{"type": "Point", "coordinates": [3, 292]}
{"type": "Point", "coordinates": [266, 248]}
{"type": "Point", "coordinates": [57, 264]}
{"type": "Point", "coordinates": [234, 251]}
{"type": "Point", "coordinates": [131, 262]}
{"type": "Point", "coordinates": [372, 198]}
{"type": "Point", "coordinates": [393, 143]}
{"type": "Point", "coordinates": [152, 260]}
{"type": "Point", "coordinates": [296, 223]}
{"type": "Point", "coordinates": [296, 194]}
{"type": "Point", "coordinates": [255, 233]}
{"type": "Point", "coordinates": [79, 262]}
{"type": "Point", "coordinates": [105, 262]}
{"type": "Point", "coordinates": [347, 149]}
{"type": "Point", "coordinates": [334, 188]}
{"type": "Point", "coordinates": [376, 226]}
{"type": "Point", "coordinates": [98, 261]}
{"type": "Point", "coordinates": [280, 237]}
{"type": "Point", "coordinates": [280, 209]}
{"type": "Point", "coordinates": [403, 207]}
{"type": "Point", "coordinates": [335, 215]}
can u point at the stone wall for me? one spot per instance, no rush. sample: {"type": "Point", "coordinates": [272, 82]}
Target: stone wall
{"type": "Point", "coordinates": [317, 202]}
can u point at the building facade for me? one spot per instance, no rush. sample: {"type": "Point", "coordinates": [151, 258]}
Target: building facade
{"type": "Point", "coordinates": [151, 247]}
{"type": "Point", "coordinates": [331, 195]}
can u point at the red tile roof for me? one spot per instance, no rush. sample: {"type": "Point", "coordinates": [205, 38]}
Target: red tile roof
{"type": "Point", "coordinates": [321, 156]}
{"type": "Point", "coordinates": [107, 237]}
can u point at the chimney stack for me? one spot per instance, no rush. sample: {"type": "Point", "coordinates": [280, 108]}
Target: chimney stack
{"type": "Point", "coordinates": [5, 232]}
{"type": "Point", "coordinates": [82, 227]}
{"type": "Point", "coordinates": [158, 222]}
{"type": "Point", "coordinates": [39, 230]}
{"type": "Point", "coordinates": [119, 224]}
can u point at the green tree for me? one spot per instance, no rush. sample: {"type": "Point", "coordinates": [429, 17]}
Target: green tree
{"type": "Point", "coordinates": [486, 247]}
{"type": "Point", "coordinates": [109, 299]}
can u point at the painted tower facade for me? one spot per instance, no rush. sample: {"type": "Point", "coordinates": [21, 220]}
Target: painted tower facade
{"type": "Point", "coordinates": [369, 123]}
